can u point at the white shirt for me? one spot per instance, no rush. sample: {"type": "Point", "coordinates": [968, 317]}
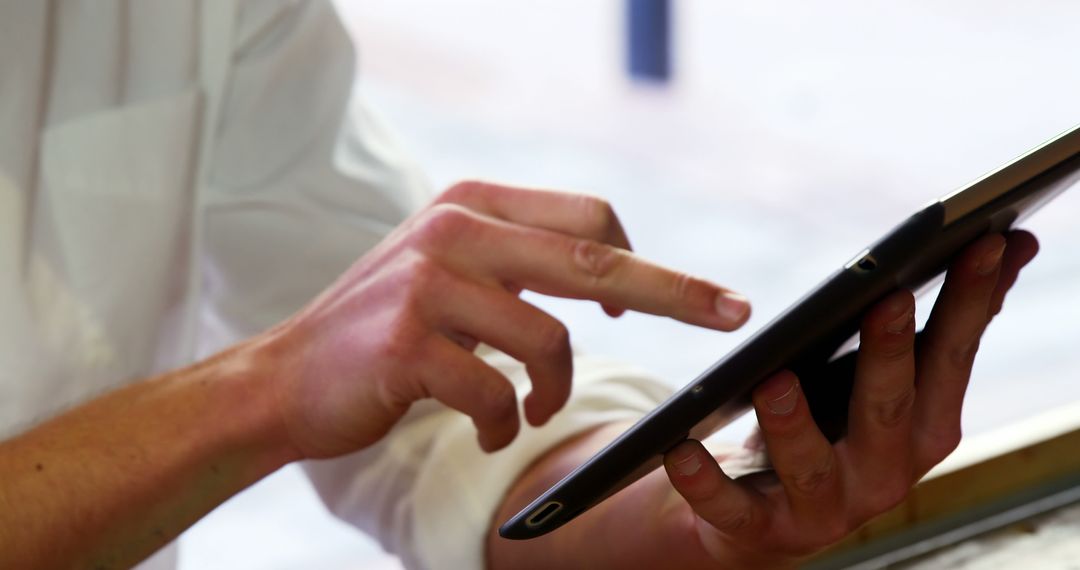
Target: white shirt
{"type": "Point", "coordinates": [176, 175]}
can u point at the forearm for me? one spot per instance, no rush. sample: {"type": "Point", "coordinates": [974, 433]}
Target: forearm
{"type": "Point", "coordinates": [110, 482]}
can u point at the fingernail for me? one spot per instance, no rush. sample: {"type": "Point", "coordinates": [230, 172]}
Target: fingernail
{"type": "Point", "coordinates": [784, 404]}
{"type": "Point", "coordinates": [688, 465]}
{"type": "Point", "coordinates": [901, 323]}
{"type": "Point", "coordinates": [990, 261]}
{"type": "Point", "coordinates": [732, 306]}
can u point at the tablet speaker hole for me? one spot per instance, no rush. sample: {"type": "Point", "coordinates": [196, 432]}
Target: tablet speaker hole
{"type": "Point", "coordinates": [543, 514]}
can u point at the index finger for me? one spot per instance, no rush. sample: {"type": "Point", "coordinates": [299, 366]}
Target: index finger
{"type": "Point", "coordinates": [556, 264]}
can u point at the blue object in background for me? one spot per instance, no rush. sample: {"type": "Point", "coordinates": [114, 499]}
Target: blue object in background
{"type": "Point", "coordinates": [648, 27]}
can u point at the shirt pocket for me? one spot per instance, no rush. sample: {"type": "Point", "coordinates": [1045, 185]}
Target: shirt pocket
{"type": "Point", "coordinates": [112, 225]}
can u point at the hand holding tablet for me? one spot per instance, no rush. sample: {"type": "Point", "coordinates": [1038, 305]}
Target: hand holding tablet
{"type": "Point", "coordinates": [904, 419]}
{"type": "Point", "coordinates": [962, 228]}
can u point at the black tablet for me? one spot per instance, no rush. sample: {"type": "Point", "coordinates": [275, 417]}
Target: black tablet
{"type": "Point", "coordinates": [808, 336]}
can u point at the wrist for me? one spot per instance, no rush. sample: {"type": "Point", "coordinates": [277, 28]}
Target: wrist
{"type": "Point", "coordinates": [245, 403]}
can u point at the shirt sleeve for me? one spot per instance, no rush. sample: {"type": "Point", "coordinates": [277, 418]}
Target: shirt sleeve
{"type": "Point", "coordinates": [429, 493]}
{"type": "Point", "coordinates": [304, 179]}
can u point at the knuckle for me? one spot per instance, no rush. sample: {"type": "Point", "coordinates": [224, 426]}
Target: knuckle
{"type": "Point", "coordinates": [397, 386]}
{"type": "Point", "coordinates": [892, 411]}
{"type": "Point", "coordinates": [814, 479]}
{"type": "Point", "coordinates": [687, 290]}
{"type": "Point", "coordinates": [554, 338]}
{"type": "Point", "coordinates": [500, 400]}
{"type": "Point", "coordinates": [682, 286]}
{"type": "Point", "coordinates": [461, 190]}
{"type": "Point", "coordinates": [443, 223]}
{"type": "Point", "coordinates": [399, 340]}
{"type": "Point", "coordinates": [962, 357]}
{"type": "Point", "coordinates": [733, 521]}
{"type": "Point", "coordinates": [422, 275]}
{"type": "Point", "coordinates": [595, 259]}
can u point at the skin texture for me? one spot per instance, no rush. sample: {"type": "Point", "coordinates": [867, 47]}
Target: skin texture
{"type": "Point", "coordinates": [905, 418]}
{"type": "Point", "coordinates": [109, 482]}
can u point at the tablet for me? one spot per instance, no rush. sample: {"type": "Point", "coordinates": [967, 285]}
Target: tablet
{"type": "Point", "coordinates": [810, 335]}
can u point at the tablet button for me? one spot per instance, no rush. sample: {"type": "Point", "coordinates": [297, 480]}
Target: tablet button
{"type": "Point", "coordinates": [867, 263]}
{"type": "Point", "coordinates": [863, 263]}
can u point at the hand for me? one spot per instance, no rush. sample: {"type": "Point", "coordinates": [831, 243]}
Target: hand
{"type": "Point", "coordinates": [401, 324]}
{"type": "Point", "coordinates": [904, 419]}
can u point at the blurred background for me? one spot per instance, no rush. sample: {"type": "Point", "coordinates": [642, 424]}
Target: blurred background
{"type": "Point", "coordinates": [775, 141]}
